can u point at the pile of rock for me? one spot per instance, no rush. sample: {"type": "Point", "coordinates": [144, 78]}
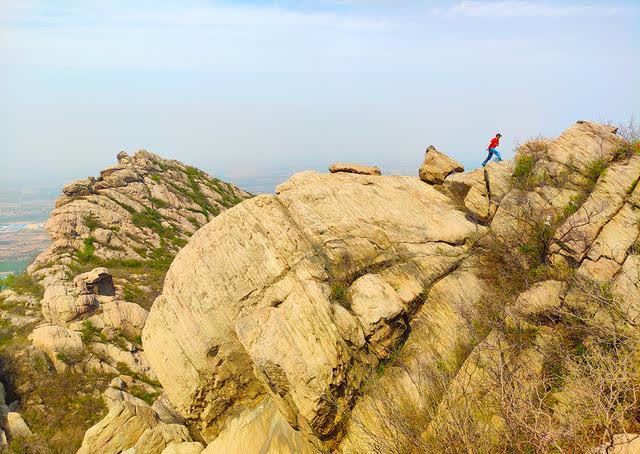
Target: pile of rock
{"type": "Point", "coordinates": [11, 423]}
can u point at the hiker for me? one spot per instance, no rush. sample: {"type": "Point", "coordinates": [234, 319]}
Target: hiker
{"type": "Point", "coordinates": [492, 149]}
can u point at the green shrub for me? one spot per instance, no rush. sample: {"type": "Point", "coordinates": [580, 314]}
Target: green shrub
{"type": "Point", "coordinates": [91, 222]}
{"type": "Point", "coordinates": [524, 166]}
{"type": "Point", "coordinates": [155, 177]}
{"type": "Point", "coordinates": [126, 370]}
{"type": "Point", "coordinates": [90, 333]}
{"type": "Point", "coordinates": [85, 254]}
{"type": "Point", "coordinates": [71, 357]}
{"type": "Point", "coordinates": [23, 284]}
{"type": "Point", "coordinates": [339, 294]}
{"type": "Point", "coordinates": [596, 169]}
{"type": "Point", "coordinates": [149, 218]}
{"type": "Point", "coordinates": [158, 202]}
{"type": "Point", "coordinates": [141, 392]}
{"type": "Point", "coordinates": [194, 222]}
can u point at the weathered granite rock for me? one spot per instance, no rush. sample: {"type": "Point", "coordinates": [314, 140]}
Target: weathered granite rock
{"type": "Point", "coordinates": [437, 166]}
{"type": "Point", "coordinates": [354, 168]}
{"type": "Point", "coordinates": [128, 318]}
{"type": "Point", "coordinates": [627, 443]}
{"type": "Point", "coordinates": [183, 448]}
{"type": "Point", "coordinates": [571, 155]}
{"type": "Point", "coordinates": [603, 205]}
{"type": "Point", "coordinates": [97, 281]}
{"type": "Point", "coordinates": [63, 303]}
{"type": "Point", "coordinates": [259, 429]}
{"type": "Point", "coordinates": [60, 344]}
{"type": "Point", "coordinates": [16, 427]}
{"type": "Point", "coordinates": [119, 430]}
{"type": "Point", "coordinates": [280, 253]}
{"type": "Point", "coordinates": [541, 297]}
{"type": "Point", "coordinates": [157, 438]}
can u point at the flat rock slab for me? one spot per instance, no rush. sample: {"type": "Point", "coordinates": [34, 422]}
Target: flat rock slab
{"type": "Point", "coordinates": [354, 168]}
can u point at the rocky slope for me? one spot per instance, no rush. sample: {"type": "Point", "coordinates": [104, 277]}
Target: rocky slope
{"type": "Point", "coordinates": [79, 312]}
{"type": "Point", "coordinates": [487, 311]}
{"type": "Point", "coordinates": [364, 313]}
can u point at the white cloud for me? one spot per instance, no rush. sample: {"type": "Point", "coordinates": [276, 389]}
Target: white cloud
{"type": "Point", "coordinates": [514, 8]}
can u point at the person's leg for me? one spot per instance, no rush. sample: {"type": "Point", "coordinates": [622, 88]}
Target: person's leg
{"type": "Point", "coordinates": [497, 153]}
{"type": "Point", "coordinates": [484, 163]}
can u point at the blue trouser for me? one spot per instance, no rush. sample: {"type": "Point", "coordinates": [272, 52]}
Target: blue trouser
{"type": "Point", "coordinates": [492, 151]}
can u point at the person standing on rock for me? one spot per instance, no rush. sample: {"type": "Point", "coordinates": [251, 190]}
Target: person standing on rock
{"type": "Point", "coordinates": [492, 149]}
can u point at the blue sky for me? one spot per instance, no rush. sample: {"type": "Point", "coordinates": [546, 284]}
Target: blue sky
{"type": "Point", "coordinates": [253, 91]}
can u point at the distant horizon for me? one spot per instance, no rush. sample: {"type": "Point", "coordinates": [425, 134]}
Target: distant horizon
{"type": "Point", "coordinates": [253, 90]}
{"type": "Point", "coordinates": [266, 180]}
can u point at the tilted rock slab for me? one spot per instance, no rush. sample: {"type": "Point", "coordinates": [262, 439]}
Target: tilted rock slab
{"type": "Point", "coordinates": [249, 307]}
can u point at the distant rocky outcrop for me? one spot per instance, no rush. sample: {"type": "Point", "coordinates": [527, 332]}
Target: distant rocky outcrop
{"type": "Point", "coordinates": [114, 237]}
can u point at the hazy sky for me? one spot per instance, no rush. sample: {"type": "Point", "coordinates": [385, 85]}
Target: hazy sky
{"type": "Point", "coordinates": [252, 91]}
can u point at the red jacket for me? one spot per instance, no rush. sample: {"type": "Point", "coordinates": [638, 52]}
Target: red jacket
{"type": "Point", "coordinates": [494, 142]}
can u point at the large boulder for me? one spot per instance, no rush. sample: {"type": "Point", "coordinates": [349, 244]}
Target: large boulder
{"type": "Point", "coordinates": [437, 166]}
{"type": "Point", "coordinates": [119, 430]}
{"type": "Point", "coordinates": [63, 346]}
{"type": "Point", "coordinates": [63, 303]}
{"type": "Point", "coordinates": [127, 318]}
{"type": "Point", "coordinates": [154, 440]}
{"type": "Point", "coordinates": [259, 429]}
{"type": "Point", "coordinates": [16, 427]}
{"type": "Point", "coordinates": [97, 281]}
{"type": "Point", "coordinates": [265, 323]}
{"type": "Point", "coordinates": [482, 190]}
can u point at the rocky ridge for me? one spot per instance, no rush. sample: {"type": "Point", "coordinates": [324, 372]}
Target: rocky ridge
{"type": "Point", "coordinates": [351, 312]}
{"type": "Point", "coordinates": [373, 311]}
{"type": "Point", "coordinates": [85, 300]}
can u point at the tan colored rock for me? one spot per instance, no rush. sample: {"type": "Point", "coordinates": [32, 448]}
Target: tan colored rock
{"type": "Point", "coordinates": [617, 235]}
{"type": "Point", "coordinates": [97, 281]}
{"type": "Point", "coordinates": [581, 228]}
{"type": "Point", "coordinates": [354, 168]}
{"type": "Point", "coordinates": [621, 444]}
{"type": "Point", "coordinates": [128, 318]}
{"type": "Point", "coordinates": [264, 323]}
{"type": "Point", "coordinates": [626, 286]}
{"type": "Point", "coordinates": [601, 270]}
{"type": "Point", "coordinates": [541, 297]}
{"type": "Point", "coordinates": [439, 332]}
{"type": "Point", "coordinates": [16, 427]}
{"type": "Point", "coordinates": [119, 430]}
{"type": "Point", "coordinates": [259, 429]}
{"type": "Point", "coordinates": [437, 166]}
{"type": "Point", "coordinates": [79, 188]}
{"type": "Point", "coordinates": [58, 343]}
{"type": "Point", "coordinates": [348, 327]}
{"type": "Point", "coordinates": [113, 396]}
{"type": "Point", "coordinates": [157, 438]}
{"type": "Point", "coordinates": [379, 309]}
{"type": "Point", "coordinates": [62, 304]}
{"type": "Point", "coordinates": [165, 410]}
{"type": "Point", "coordinates": [513, 218]}
{"type": "Point", "coordinates": [133, 358]}
{"type": "Point", "coordinates": [579, 147]}
{"type": "Point", "coordinates": [183, 448]}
